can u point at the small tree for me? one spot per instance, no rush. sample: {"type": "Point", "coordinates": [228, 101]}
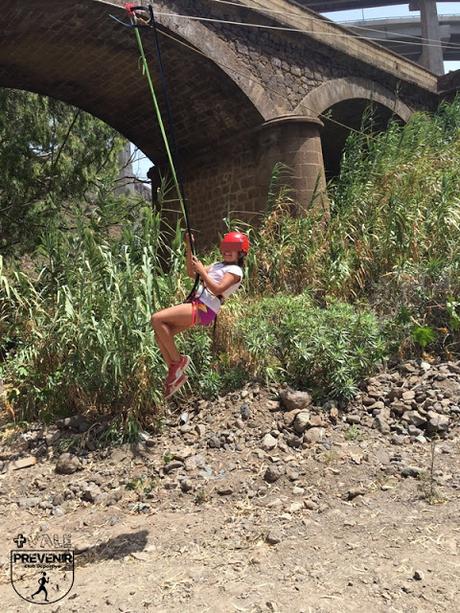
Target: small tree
{"type": "Point", "coordinates": [54, 159]}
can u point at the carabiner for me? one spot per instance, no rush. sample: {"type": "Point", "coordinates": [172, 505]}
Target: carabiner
{"type": "Point", "coordinates": [132, 10]}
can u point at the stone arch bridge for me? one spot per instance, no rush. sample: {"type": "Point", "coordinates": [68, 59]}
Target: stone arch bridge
{"type": "Point", "coordinates": [242, 97]}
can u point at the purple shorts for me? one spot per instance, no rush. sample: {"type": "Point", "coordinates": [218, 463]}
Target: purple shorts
{"type": "Point", "coordinates": [202, 314]}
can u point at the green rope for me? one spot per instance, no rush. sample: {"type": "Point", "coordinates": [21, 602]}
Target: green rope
{"type": "Point", "coordinates": [146, 72]}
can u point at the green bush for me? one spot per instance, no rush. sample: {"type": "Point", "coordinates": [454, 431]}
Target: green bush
{"type": "Point", "coordinates": [327, 350]}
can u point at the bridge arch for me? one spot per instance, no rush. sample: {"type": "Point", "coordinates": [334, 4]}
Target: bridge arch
{"type": "Point", "coordinates": [335, 91]}
{"type": "Point", "coordinates": [344, 100]}
{"type": "Point", "coordinates": [71, 50]}
{"type": "Point", "coordinates": [225, 82]}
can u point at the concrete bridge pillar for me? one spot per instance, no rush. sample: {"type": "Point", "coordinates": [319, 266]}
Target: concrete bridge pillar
{"type": "Point", "coordinates": [432, 57]}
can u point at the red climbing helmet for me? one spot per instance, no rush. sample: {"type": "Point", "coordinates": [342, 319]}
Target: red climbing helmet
{"type": "Point", "coordinates": [235, 241]}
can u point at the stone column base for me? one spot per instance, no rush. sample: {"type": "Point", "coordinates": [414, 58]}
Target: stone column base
{"type": "Point", "coordinates": [295, 141]}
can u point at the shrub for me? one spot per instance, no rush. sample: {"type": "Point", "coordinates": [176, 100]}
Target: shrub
{"type": "Point", "coordinates": [326, 350]}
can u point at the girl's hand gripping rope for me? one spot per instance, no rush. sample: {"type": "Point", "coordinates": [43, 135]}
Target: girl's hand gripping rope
{"type": "Point", "coordinates": [198, 266]}
{"type": "Point", "coordinates": [139, 14]}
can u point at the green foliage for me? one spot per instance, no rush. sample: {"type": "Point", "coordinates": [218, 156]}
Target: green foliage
{"type": "Point", "coordinates": [324, 300]}
{"type": "Point", "coordinates": [82, 326]}
{"type": "Point", "coordinates": [453, 312]}
{"type": "Point", "coordinates": [393, 237]}
{"type": "Point", "coordinates": [54, 161]}
{"type": "Point", "coordinates": [142, 485]}
{"type": "Point", "coordinates": [325, 350]}
{"type": "Point", "coordinates": [284, 248]}
{"type": "Point", "coordinates": [353, 433]}
{"type": "Point", "coordinates": [396, 204]}
{"type": "Point", "coordinates": [423, 335]}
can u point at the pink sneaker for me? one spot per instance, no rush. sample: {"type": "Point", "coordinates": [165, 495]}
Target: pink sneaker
{"type": "Point", "coordinates": [177, 369]}
{"type": "Point", "coordinates": [172, 388]}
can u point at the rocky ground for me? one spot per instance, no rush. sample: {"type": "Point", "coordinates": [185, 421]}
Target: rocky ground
{"type": "Point", "coordinates": [259, 501]}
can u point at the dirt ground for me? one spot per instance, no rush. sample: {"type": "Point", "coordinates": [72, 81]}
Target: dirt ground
{"type": "Point", "coordinates": [343, 530]}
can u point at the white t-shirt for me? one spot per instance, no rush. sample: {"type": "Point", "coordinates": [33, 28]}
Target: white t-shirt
{"type": "Point", "coordinates": [217, 272]}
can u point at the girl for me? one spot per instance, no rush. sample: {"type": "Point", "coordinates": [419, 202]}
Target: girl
{"type": "Point", "coordinates": [220, 280]}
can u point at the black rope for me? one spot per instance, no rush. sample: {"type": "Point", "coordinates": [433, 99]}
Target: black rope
{"type": "Point", "coordinates": [172, 133]}
{"type": "Point", "coordinates": [151, 23]}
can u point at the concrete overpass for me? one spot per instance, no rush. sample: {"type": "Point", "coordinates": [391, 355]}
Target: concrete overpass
{"type": "Point", "coordinates": [403, 35]}
{"type": "Point", "coordinates": [431, 55]}
{"type": "Point", "coordinates": [330, 6]}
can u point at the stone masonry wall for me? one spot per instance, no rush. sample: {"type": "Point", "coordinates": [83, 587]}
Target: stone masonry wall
{"type": "Point", "coordinates": [219, 183]}
{"type": "Point", "coordinates": [290, 65]}
{"type": "Point", "coordinates": [232, 180]}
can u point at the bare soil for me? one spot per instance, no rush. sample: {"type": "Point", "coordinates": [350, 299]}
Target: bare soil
{"type": "Point", "coordinates": [342, 530]}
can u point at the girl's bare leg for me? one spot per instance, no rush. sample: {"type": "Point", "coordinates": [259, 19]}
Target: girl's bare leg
{"type": "Point", "coordinates": [164, 352]}
{"type": "Point", "coordinates": [164, 322]}
{"type": "Point", "coordinates": [174, 330]}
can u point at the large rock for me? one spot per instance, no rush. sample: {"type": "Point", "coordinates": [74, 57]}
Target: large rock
{"type": "Point", "coordinates": [28, 502]}
{"type": "Point", "coordinates": [411, 471]}
{"type": "Point", "coordinates": [414, 418]}
{"type": "Point", "coordinates": [381, 423]}
{"type": "Point", "coordinates": [269, 442]}
{"type": "Point", "coordinates": [455, 368]}
{"type": "Point", "coordinates": [289, 416]}
{"type": "Point", "coordinates": [195, 461]}
{"type": "Point", "coordinates": [449, 387]}
{"type": "Point", "coordinates": [437, 423]}
{"type": "Point", "coordinates": [291, 399]}
{"type": "Point", "coordinates": [379, 405]}
{"type": "Point", "coordinates": [173, 465]}
{"type": "Point", "coordinates": [398, 407]}
{"type": "Point", "coordinates": [292, 440]}
{"type": "Point", "coordinates": [314, 435]}
{"type": "Point", "coordinates": [92, 493]}
{"type": "Point", "coordinates": [353, 418]}
{"type": "Point", "coordinates": [68, 464]}
{"type": "Point", "coordinates": [301, 421]}
{"type": "Point", "coordinates": [274, 472]}
{"type": "Point", "coordinates": [76, 422]}
{"type": "Point", "coordinates": [316, 421]}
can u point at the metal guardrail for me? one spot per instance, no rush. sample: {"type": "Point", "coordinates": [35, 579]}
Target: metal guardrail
{"type": "Point", "coordinates": [396, 18]}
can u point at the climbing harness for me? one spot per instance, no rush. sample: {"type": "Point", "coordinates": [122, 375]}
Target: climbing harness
{"type": "Point", "coordinates": [138, 21]}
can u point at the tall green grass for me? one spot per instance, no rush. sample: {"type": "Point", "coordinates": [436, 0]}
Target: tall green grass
{"type": "Point", "coordinates": [396, 204]}
{"type": "Point", "coordinates": [80, 330]}
{"type": "Point", "coordinates": [393, 237]}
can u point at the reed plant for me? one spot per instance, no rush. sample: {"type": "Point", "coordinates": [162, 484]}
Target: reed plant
{"type": "Point", "coordinates": [81, 330]}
